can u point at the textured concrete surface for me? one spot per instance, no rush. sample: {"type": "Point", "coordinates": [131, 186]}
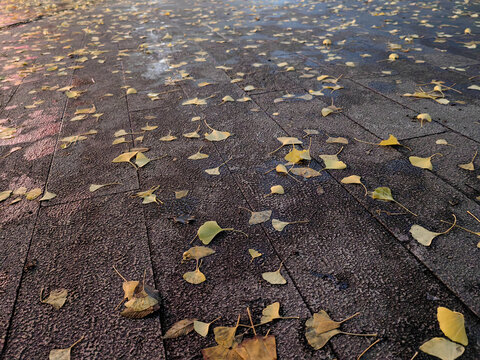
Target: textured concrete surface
{"type": "Point", "coordinates": [355, 253]}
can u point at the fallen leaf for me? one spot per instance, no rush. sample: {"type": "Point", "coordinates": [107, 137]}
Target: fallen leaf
{"type": "Point", "coordinates": [95, 187]}
{"type": "Point", "coordinates": [48, 196]}
{"type": "Point", "coordinates": [276, 189]}
{"type": "Point", "coordinates": [452, 324]}
{"type": "Point", "coordinates": [216, 135]}
{"type": "Point", "coordinates": [424, 117]}
{"type": "Point", "coordinates": [258, 217]}
{"type": "Point", "coordinates": [33, 194]}
{"type": "Point", "coordinates": [354, 179]}
{"type": "Point", "coordinates": [254, 253]}
{"type": "Point", "coordinates": [337, 140]}
{"type": "Point", "coordinates": [274, 277]}
{"type": "Point", "coordinates": [62, 354]}
{"type": "Point", "coordinates": [4, 195]}
{"type": "Point", "coordinates": [280, 225]}
{"type": "Point", "coordinates": [423, 163]}
{"type": "Point", "coordinates": [197, 252]}
{"type": "Point", "coordinates": [272, 312]}
{"type": "Point", "coordinates": [469, 166]}
{"type": "Point", "coordinates": [385, 194]}
{"type": "Point", "coordinates": [208, 231]}
{"type": "Point", "coordinates": [180, 328]}
{"type": "Point", "coordinates": [141, 160]}
{"type": "Point", "coordinates": [56, 298]}
{"type": "Point", "coordinates": [305, 172]}
{"type": "Point", "coordinates": [258, 348]}
{"type": "Point", "coordinates": [202, 328]}
{"type": "Point", "coordinates": [180, 194]}
{"type": "Point", "coordinates": [442, 348]}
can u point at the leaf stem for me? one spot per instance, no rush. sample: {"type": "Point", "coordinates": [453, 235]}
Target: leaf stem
{"type": "Point", "coordinates": [76, 342]}
{"type": "Point", "coordinates": [464, 229]}
{"type": "Point", "coordinates": [365, 142]}
{"type": "Point", "coordinates": [350, 317]}
{"type": "Point", "coordinates": [451, 227]}
{"type": "Point", "coordinates": [469, 213]}
{"type": "Point", "coordinates": [114, 268]}
{"type": "Point", "coordinates": [403, 207]}
{"type": "Point", "coordinates": [355, 334]}
{"type": "Point", "coordinates": [368, 348]}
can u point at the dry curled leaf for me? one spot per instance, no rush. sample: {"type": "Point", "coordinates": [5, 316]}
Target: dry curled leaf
{"type": "Point", "coordinates": [180, 328]}
{"type": "Point", "coordinates": [197, 252]}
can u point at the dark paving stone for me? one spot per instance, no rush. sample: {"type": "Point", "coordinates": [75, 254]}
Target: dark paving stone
{"type": "Point", "coordinates": [94, 287]}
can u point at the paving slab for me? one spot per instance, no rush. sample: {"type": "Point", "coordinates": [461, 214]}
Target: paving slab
{"type": "Point", "coordinates": [94, 287]}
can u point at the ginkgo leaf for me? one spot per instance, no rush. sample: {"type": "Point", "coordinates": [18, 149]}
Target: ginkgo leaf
{"type": "Point", "coordinates": [48, 196]}
{"type": "Point", "coordinates": [216, 135]}
{"type": "Point", "coordinates": [309, 132]}
{"type": "Point", "coordinates": [274, 277]}
{"type": "Point", "coordinates": [33, 194]}
{"type": "Point", "coordinates": [131, 91]}
{"type": "Point", "coordinates": [181, 194]}
{"type": "Point", "coordinates": [225, 336]}
{"type": "Point", "coordinates": [280, 225]}
{"type": "Point", "coordinates": [227, 98]}
{"type": "Point", "coordinates": [423, 163]}
{"type": "Point", "coordinates": [202, 328]}
{"type": "Point", "coordinates": [326, 111]}
{"type": "Point", "coordinates": [56, 298]}
{"type": "Point", "coordinates": [422, 235]}
{"type": "Point", "coordinates": [120, 132]}
{"type": "Point", "coordinates": [332, 162]}
{"type": "Point", "coordinates": [90, 110]}
{"type": "Point", "coordinates": [180, 328]}
{"type": "Point", "coordinates": [254, 253]}
{"type": "Point", "coordinates": [392, 140]}
{"type": "Point", "coordinates": [213, 171]}
{"type": "Point", "coordinates": [62, 354]}
{"type": "Point", "coordinates": [258, 217]}
{"type": "Point", "coordinates": [354, 179]}
{"type": "Point", "coordinates": [442, 348]}
{"type": "Point", "coordinates": [195, 101]}
{"type": "Point", "coordinates": [125, 157]}
{"type": "Point", "coordinates": [258, 348]}
{"type": "Point", "coordinates": [442, 142]}
{"type": "Point", "coordinates": [198, 156]}
{"type": "Point", "coordinates": [129, 288]}
{"type": "Point", "coordinates": [452, 324]}
{"type": "Point", "coordinates": [385, 194]}
{"type": "Point", "coordinates": [197, 252]}
{"type": "Point", "coordinates": [382, 193]}
{"type": "Point", "coordinates": [142, 303]}
{"type": "Point", "coordinates": [168, 137]}
{"type": "Point", "coordinates": [249, 88]}
{"type": "Point", "coordinates": [192, 135]}
{"type": "Point", "coordinates": [318, 341]}
{"type": "Point", "coordinates": [305, 172]}
{"type": "Point", "coordinates": [295, 156]}
{"type": "Point", "coordinates": [95, 187]}
{"type": "Point", "coordinates": [4, 195]}
{"type": "Point", "coordinates": [287, 141]}
{"type": "Point", "coordinates": [424, 117]}
{"type": "Point", "coordinates": [149, 127]}
{"type": "Point", "coordinates": [208, 231]}
{"type": "Point", "coordinates": [276, 189]}
{"type": "Point", "coordinates": [337, 140]}
{"type": "Point", "coordinates": [141, 160]}
{"type": "Point", "coordinates": [469, 166]}
{"type": "Point", "coordinates": [272, 312]}
{"type": "Point", "coordinates": [120, 140]}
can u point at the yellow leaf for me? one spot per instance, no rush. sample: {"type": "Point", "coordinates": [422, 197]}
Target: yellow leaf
{"type": "Point", "coordinates": [125, 157]}
{"type": "Point", "coordinates": [48, 196]}
{"type": "Point", "coordinates": [354, 179]}
{"type": "Point", "coordinates": [56, 298]}
{"type": "Point", "coordinates": [198, 156]}
{"type": "Point", "coordinates": [258, 348]}
{"type": "Point", "coordinates": [423, 163]}
{"type": "Point", "coordinates": [194, 277]}
{"type": "Point", "coordinates": [391, 141]}
{"type": "Point", "coordinates": [452, 324]}
{"type": "Point", "coordinates": [195, 101]}
{"type": "Point", "coordinates": [422, 235]}
{"type": "Point", "coordinates": [276, 189]}
{"type": "Point", "coordinates": [168, 137]}
{"type": "Point", "coordinates": [216, 135]}
{"type": "Point", "coordinates": [33, 194]}
{"type": "Point", "coordinates": [131, 91]}
{"type": "Point", "coordinates": [201, 328]}
{"type": "Point", "coordinates": [90, 110]}
{"type": "Point", "coordinates": [149, 127]}
{"type": "Point", "coordinates": [274, 277]}
{"type": "Point", "coordinates": [469, 166]}
{"type": "Point", "coordinates": [141, 160]}
{"type": "Point", "coordinates": [259, 217]}
{"type": "Point", "coordinates": [337, 140]}
{"type": "Point", "coordinates": [254, 253]}
{"type": "Point", "coordinates": [4, 195]}
{"type": "Point", "coordinates": [225, 336]}
{"type": "Point", "coordinates": [181, 194]}
{"type": "Point", "coordinates": [120, 140]}
{"type": "Point", "coordinates": [326, 111]}
{"type": "Point", "coordinates": [332, 162]}
{"type": "Point", "coordinates": [442, 348]}
{"type": "Point", "coordinates": [95, 187]}
{"type": "Point", "coordinates": [270, 313]}
{"type": "Point", "coordinates": [197, 252]}
{"type": "Point", "coordinates": [62, 354]}
{"type": "Point", "coordinates": [424, 117]}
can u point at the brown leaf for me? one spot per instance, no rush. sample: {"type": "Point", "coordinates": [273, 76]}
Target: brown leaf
{"type": "Point", "coordinates": [180, 328]}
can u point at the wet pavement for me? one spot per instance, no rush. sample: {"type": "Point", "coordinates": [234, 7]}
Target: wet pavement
{"type": "Point", "coordinates": [260, 70]}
